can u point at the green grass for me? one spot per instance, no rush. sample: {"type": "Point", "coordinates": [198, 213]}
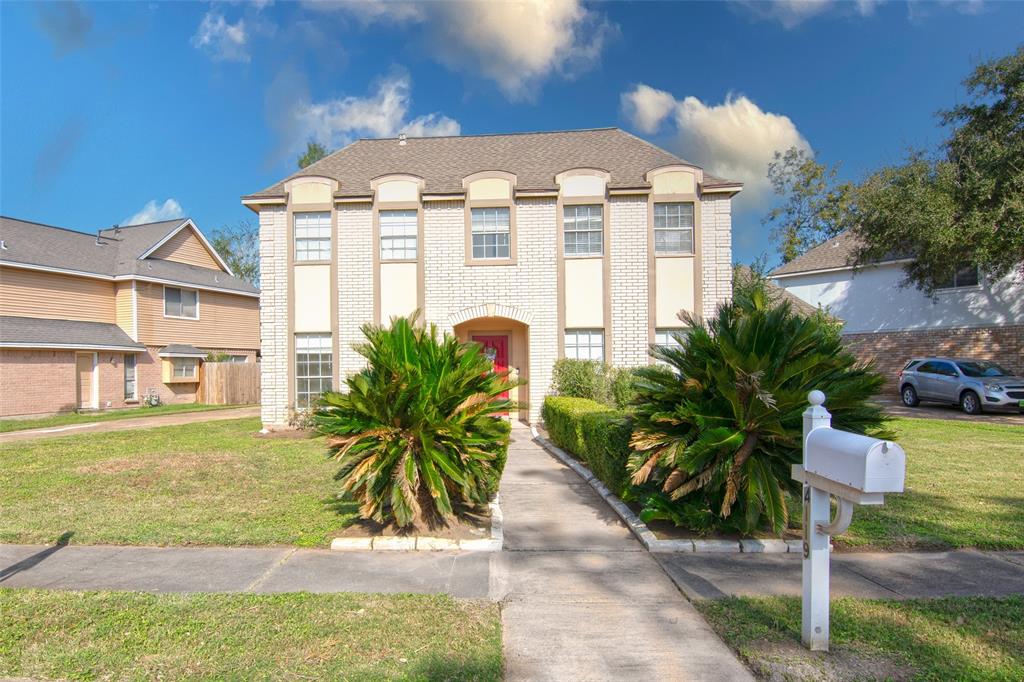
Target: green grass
{"type": "Point", "coordinates": [210, 483]}
{"type": "Point", "coordinates": [123, 635]}
{"type": "Point", "coordinates": [964, 488]}
{"type": "Point", "coordinates": [104, 416]}
{"type": "Point", "coordinates": [960, 638]}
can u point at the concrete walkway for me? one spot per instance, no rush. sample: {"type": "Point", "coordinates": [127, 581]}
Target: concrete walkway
{"type": "Point", "coordinates": [582, 600]}
{"type": "Point", "coordinates": [132, 423]}
{"type": "Point", "coordinates": [870, 575]}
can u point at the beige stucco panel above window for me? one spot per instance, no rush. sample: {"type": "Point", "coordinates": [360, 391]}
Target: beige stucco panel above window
{"type": "Point", "coordinates": [584, 292]}
{"type": "Point", "coordinates": [398, 290]}
{"type": "Point", "coordinates": [312, 298]}
{"type": "Point", "coordinates": [674, 292]}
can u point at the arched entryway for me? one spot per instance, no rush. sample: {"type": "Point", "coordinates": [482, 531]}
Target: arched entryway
{"type": "Point", "coordinates": [508, 340]}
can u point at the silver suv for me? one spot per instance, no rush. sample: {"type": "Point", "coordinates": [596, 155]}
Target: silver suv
{"type": "Point", "coordinates": [975, 385]}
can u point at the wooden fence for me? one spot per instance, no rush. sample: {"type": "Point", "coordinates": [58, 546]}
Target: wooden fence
{"type": "Point", "coordinates": [229, 383]}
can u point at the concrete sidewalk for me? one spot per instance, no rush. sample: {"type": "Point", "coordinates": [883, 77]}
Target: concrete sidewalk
{"type": "Point", "coordinates": [132, 423]}
{"type": "Point", "coordinates": [871, 575]}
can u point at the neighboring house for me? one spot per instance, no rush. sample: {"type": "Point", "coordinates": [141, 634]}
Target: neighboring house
{"type": "Point", "coordinates": [92, 321]}
{"type": "Point", "coordinates": [580, 244]}
{"type": "Point", "coordinates": [888, 324]}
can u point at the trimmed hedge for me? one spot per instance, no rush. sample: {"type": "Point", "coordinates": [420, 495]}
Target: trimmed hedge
{"type": "Point", "coordinates": [597, 434]}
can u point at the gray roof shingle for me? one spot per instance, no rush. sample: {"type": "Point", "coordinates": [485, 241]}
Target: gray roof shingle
{"type": "Point", "coordinates": [109, 252]}
{"type": "Point", "coordinates": [30, 331]}
{"type": "Point", "coordinates": [838, 252]}
{"type": "Point", "coordinates": [181, 350]}
{"type": "Point", "coordinates": [534, 158]}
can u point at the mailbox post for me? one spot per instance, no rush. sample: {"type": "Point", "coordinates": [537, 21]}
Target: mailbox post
{"type": "Point", "coordinates": [852, 468]}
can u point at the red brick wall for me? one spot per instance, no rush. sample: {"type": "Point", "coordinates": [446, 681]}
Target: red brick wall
{"type": "Point", "coordinates": [890, 351]}
{"type": "Point", "coordinates": [44, 381]}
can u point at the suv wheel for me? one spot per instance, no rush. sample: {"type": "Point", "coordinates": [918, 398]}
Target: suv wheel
{"type": "Point", "coordinates": [909, 396]}
{"type": "Point", "coordinates": [970, 402]}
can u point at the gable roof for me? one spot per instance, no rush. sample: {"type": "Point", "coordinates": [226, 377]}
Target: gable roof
{"type": "Point", "coordinates": [534, 158]}
{"type": "Point", "coordinates": [33, 332]}
{"type": "Point", "coordinates": [834, 254]}
{"type": "Point", "coordinates": [111, 253]}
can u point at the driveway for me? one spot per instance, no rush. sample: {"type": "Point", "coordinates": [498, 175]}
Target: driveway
{"type": "Point", "coordinates": [936, 411]}
{"type": "Point", "coordinates": [131, 423]}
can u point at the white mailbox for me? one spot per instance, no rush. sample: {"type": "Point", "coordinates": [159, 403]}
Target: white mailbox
{"type": "Point", "coordinates": [852, 468]}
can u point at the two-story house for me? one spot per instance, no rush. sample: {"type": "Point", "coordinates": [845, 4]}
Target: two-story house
{"type": "Point", "coordinates": [582, 244]}
{"type": "Point", "coordinates": [94, 321]}
{"type": "Point", "coordinates": [887, 323]}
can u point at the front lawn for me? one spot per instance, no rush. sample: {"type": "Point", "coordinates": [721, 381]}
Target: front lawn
{"type": "Point", "coordinates": [960, 638]}
{"type": "Point", "coordinates": [125, 635]}
{"type": "Point", "coordinates": [211, 483]}
{"type": "Point", "coordinates": [71, 418]}
{"type": "Point", "coordinates": [964, 488]}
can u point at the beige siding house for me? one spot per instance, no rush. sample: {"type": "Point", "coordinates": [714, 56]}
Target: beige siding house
{"type": "Point", "coordinates": [94, 321]}
{"type": "Point", "coordinates": [582, 244]}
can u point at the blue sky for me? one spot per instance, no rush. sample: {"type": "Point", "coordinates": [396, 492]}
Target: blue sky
{"type": "Point", "coordinates": [119, 110]}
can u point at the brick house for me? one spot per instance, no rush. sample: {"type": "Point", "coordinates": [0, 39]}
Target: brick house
{"type": "Point", "coordinates": [581, 244]}
{"type": "Point", "coordinates": [95, 321]}
{"type": "Point", "coordinates": [888, 324]}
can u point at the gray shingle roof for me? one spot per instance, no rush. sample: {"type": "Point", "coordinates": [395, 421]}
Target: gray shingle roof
{"type": "Point", "coordinates": [535, 159]}
{"type": "Point", "coordinates": [32, 330]}
{"type": "Point", "coordinates": [838, 252]}
{"type": "Point", "coordinates": [181, 350]}
{"type": "Point", "coordinates": [113, 253]}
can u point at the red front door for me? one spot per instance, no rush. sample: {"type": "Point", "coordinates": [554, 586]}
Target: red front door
{"type": "Point", "coordinates": [498, 347]}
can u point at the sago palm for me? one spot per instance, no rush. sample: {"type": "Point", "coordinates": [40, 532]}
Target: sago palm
{"type": "Point", "coordinates": [417, 431]}
{"type": "Point", "coordinates": [714, 439]}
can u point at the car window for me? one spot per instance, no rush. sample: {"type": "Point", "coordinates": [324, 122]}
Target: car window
{"type": "Point", "coordinates": [982, 368]}
{"type": "Point", "coordinates": [911, 365]}
{"type": "Point", "coordinates": [945, 369]}
{"type": "Point", "coordinates": [928, 368]}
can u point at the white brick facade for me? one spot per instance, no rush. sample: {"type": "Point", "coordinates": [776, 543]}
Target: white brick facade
{"type": "Point", "coordinates": [716, 252]}
{"type": "Point", "coordinates": [455, 292]}
{"type": "Point", "coordinates": [274, 315]}
{"type": "Point", "coordinates": [629, 281]}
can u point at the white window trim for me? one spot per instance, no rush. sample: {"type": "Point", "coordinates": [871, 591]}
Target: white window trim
{"type": "Point", "coordinates": [590, 331]}
{"type": "Point", "coordinates": [194, 374]}
{"type": "Point", "coordinates": [322, 350]}
{"type": "Point", "coordinates": [565, 230]}
{"type": "Point", "coordinates": [415, 234]}
{"type": "Point", "coordinates": [135, 377]}
{"type": "Point", "coordinates": [510, 258]}
{"type": "Point", "coordinates": [179, 317]}
{"type": "Point", "coordinates": [295, 240]}
{"type": "Point", "coordinates": [692, 229]}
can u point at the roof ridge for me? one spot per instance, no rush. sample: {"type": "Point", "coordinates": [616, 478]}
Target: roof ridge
{"type": "Point", "coordinates": [519, 132]}
{"type": "Point", "coordinates": [179, 220]}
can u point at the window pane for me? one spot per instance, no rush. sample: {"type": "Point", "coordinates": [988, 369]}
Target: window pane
{"type": "Point", "coordinates": [313, 367]}
{"type": "Point", "coordinates": [313, 236]}
{"type": "Point", "coordinates": [172, 301]}
{"type": "Point", "coordinates": [189, 303]}
{"type": "Point", "coordinates": [398, 234]}
{"type": "Point", "coordinates": [967, 276]}
{"type": "Point", "coordinates": [584, 344]}
{"type": "Point", "coordinates": [583, 230]}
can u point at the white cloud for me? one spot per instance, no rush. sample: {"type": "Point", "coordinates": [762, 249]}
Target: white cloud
{"type": "Point", "coordinates": [153, 212]}
{"type": "Point", "coordinates": [336, 122]}
{"type": "Point", "coordinates": [221, 40]}
{"type": "Point", "coordinates": [792, 13]}
{"type": "Point", "coordinates": [735, 139]}
{"type": "Point", "coordinates": [515, 44]}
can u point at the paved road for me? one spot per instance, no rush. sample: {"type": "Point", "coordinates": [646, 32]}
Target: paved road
{"type": "Point", "coordinates": [936, 411]}
{"type": "Point", "coordinates": [131, 423]}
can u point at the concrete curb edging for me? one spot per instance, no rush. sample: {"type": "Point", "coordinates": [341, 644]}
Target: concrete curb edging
{"type": "Point", "coordinates": [647, 537]}
{"type": "Point", "coordinates": [424, 543]}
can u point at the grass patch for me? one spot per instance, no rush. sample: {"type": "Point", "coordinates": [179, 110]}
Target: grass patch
{"type": "Point", "coordinates": [964, 488]}
{"type": "Point", "coordinates": [210, 483]}
{"type": "Point", "coordinates": [71, 418]}
{"type": "Point", "coordinates": [125, 635]}
{"type": "Point", "coordinates": [960, 638]}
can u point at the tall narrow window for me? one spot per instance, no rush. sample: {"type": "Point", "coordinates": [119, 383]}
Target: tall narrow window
{"type": "Point", "coordinates": [398, 231]}
{"type": "Point", "coordinates": [313, 367]}
{"type": "Point", "coordinates": [129, 377]}
{"type": "Point", "coordinates": [583, 230]}
{"type": "Point", "coordinates": [312, 236]}
{"type": "Point", "coordinates": [584, 344]}
{"type": "Point", "coordinates": [181, 302]}
{"type": "Point", "coordinates": [491, 233]}
{"type": "Point", "coordinates": [673, 228]}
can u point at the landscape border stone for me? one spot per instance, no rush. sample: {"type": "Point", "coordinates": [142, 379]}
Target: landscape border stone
{"type": "Point", "coordinates": [646, 536]}
{"type": "Point", "coordinates": [426, 543]}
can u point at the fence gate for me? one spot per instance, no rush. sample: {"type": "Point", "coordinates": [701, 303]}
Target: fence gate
{"type": "Point", "coordinates": [229, 383]}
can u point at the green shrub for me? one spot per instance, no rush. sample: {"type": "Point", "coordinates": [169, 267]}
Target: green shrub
{"type": "Point", "coordinates": [596, 433]}
{"type": "Point", "coordinates": [715, 439]}
{"type": "Point", "coordinates": [581, 379]}
{"type": "Point", "coordinates": [417, 433]}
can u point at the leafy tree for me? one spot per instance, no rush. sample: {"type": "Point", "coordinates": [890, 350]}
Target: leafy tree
{"type": "Point", "coordinates": [314, 152]}
{"type": "Point", "coordinates": [812, 206]}
{"type": "Point", "coordinates": [715, 438]}
{"type": "Point", "coordinates": [416, 432]}
{"type": "Point", "coordinates": [239, 246]}
{"type": "Point", "coordinates": [965, 205]}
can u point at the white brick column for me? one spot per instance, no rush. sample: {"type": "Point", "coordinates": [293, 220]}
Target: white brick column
{"type": "Point", "coordinates": [716, 252]}
{"type": "Point", "coordinates": [629, 281]}
{"type": "Point", "coordinates": [355, 283]}
{"type": "Point", "coordinates": [274, 316]}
